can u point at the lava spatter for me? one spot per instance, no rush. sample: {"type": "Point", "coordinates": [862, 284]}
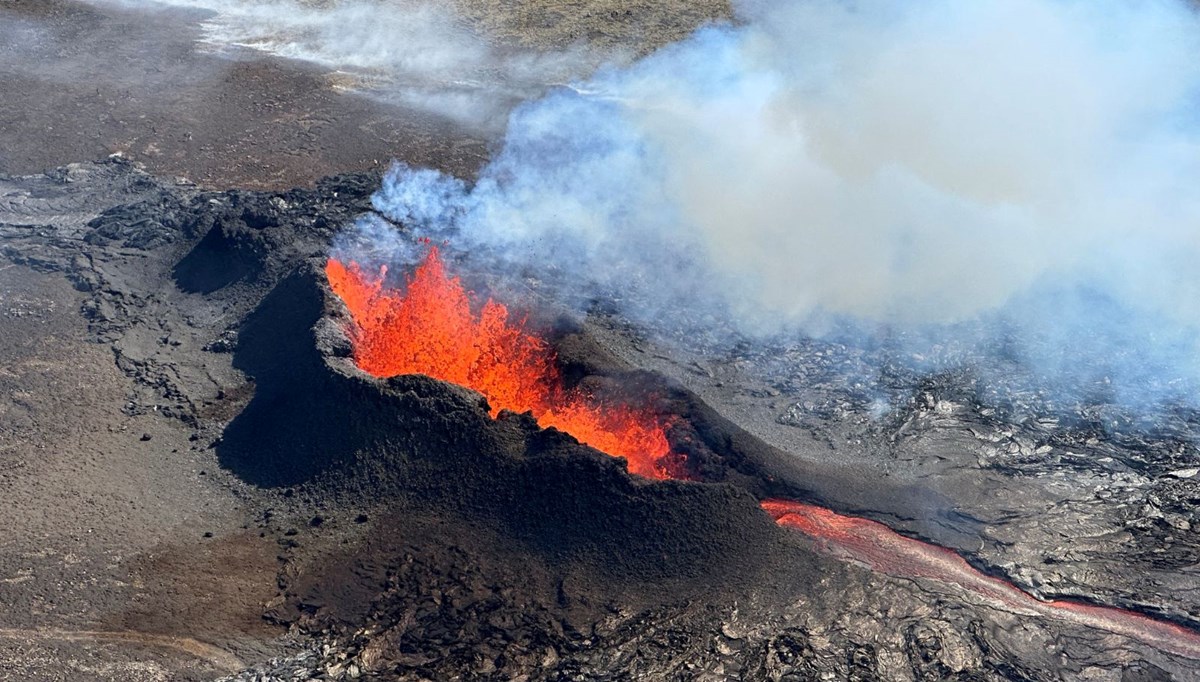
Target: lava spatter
{"type": "Point", "coordinates": [429, 327]}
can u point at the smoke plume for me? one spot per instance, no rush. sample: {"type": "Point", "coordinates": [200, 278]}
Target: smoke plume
{"type": "Point", "coordinates": [1015, 173]}
{"type": "Point", "coordinates": [417, 53]}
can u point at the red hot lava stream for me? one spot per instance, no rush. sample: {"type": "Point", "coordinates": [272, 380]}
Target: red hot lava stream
{"type": "Point", "coordinates": [431, 329]}
{"type": "Point", "coordinates": [886, 551]}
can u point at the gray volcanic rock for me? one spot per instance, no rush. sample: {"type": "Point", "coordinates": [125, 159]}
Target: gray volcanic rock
{"type": "Point", "coordinates": [454, 545]}
{"type": "Point", "coordinates": [1080, 501]}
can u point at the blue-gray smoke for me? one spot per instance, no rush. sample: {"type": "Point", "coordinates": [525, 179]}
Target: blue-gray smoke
{"type": "Point", "coordinates": [1017, 175]}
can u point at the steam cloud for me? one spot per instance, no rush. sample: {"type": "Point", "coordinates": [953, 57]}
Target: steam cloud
{"type": "Point", "coordinates": [416, 52]}
{"type": "Point", "coordinates": [1003, 172]}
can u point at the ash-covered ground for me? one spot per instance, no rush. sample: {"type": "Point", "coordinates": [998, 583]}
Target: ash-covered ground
{"type": "Point", "coordinates": [391, 528]}
{"type": "Point", "coordinates": [197, 483]}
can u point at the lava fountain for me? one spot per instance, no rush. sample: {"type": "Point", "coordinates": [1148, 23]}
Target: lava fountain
{"type": "Point", "coordinates": [431, 328]}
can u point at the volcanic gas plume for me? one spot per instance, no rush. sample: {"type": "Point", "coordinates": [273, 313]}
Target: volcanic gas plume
{"type": "Point", "coordinates": [430, 328]}
{"type": "Point", "coordinates": [1004, 174]}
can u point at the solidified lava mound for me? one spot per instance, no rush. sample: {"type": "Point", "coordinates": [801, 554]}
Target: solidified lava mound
{"type": "Point", "coordinates": [318, 419]}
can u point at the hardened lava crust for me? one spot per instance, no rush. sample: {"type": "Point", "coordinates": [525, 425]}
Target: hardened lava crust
{"type": "Point", "coordinates": [198, 483]}
{"type": "Point", "coordinates": [257, 505]}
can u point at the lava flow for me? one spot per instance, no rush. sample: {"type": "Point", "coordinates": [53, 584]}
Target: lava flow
{"type": "Point", "coordinates": [430, 328]}
{"type": "Point", "coordinates": [886, 551]}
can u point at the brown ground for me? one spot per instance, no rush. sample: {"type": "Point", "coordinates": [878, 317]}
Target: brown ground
{"type": "Point", "coordinates": [103, 530]}
{"type": "Point", "coordinates": [637, 27]}
{"type": "Point", "coordinates": [81, 83]}
{"type": "Point", "coordinates": [107, 570]}
{"type": "Point", "coordinates": [129, 550]}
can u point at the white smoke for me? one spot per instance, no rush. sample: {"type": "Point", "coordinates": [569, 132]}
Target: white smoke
{"type": "Point", "coordinates": [419, 53]}
{"type": "Point", "coordinates": [1028, 162]}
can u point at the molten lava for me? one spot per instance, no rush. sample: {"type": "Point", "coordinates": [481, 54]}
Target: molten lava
{"type": "Point", "coordinates": [882, 549]}
{"type": "Point", "coordinates": [430, 328]}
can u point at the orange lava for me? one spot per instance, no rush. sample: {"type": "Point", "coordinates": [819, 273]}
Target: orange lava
{"type": "Point", "coordinates": [883, 550]}
{"type": "Point", "coordinates": [430, 328]}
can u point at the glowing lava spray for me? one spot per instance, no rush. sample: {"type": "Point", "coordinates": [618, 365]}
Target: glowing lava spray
{"type": "Point", "coordinates": [430, 328]}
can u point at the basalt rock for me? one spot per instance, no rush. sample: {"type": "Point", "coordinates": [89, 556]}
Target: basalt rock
{"type": "Point", "coordinates": [457, 545]}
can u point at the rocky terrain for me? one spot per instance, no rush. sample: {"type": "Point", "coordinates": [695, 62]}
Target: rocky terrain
{"type": "Point", "coordinates": [331, 524]}
{"type": "Point", "coordinates": [197, 483]}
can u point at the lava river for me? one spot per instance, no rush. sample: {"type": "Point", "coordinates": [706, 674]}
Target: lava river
{"type": "Point", "coordinates": [883, 550]}
{"type": "Point", "coordinates": [430, 328]}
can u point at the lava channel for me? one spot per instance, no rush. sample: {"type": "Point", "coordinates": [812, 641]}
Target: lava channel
{"type": "Point", "coordinates": [430, 328]}
{"type": "Point", "coordinates": [883, 550]}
